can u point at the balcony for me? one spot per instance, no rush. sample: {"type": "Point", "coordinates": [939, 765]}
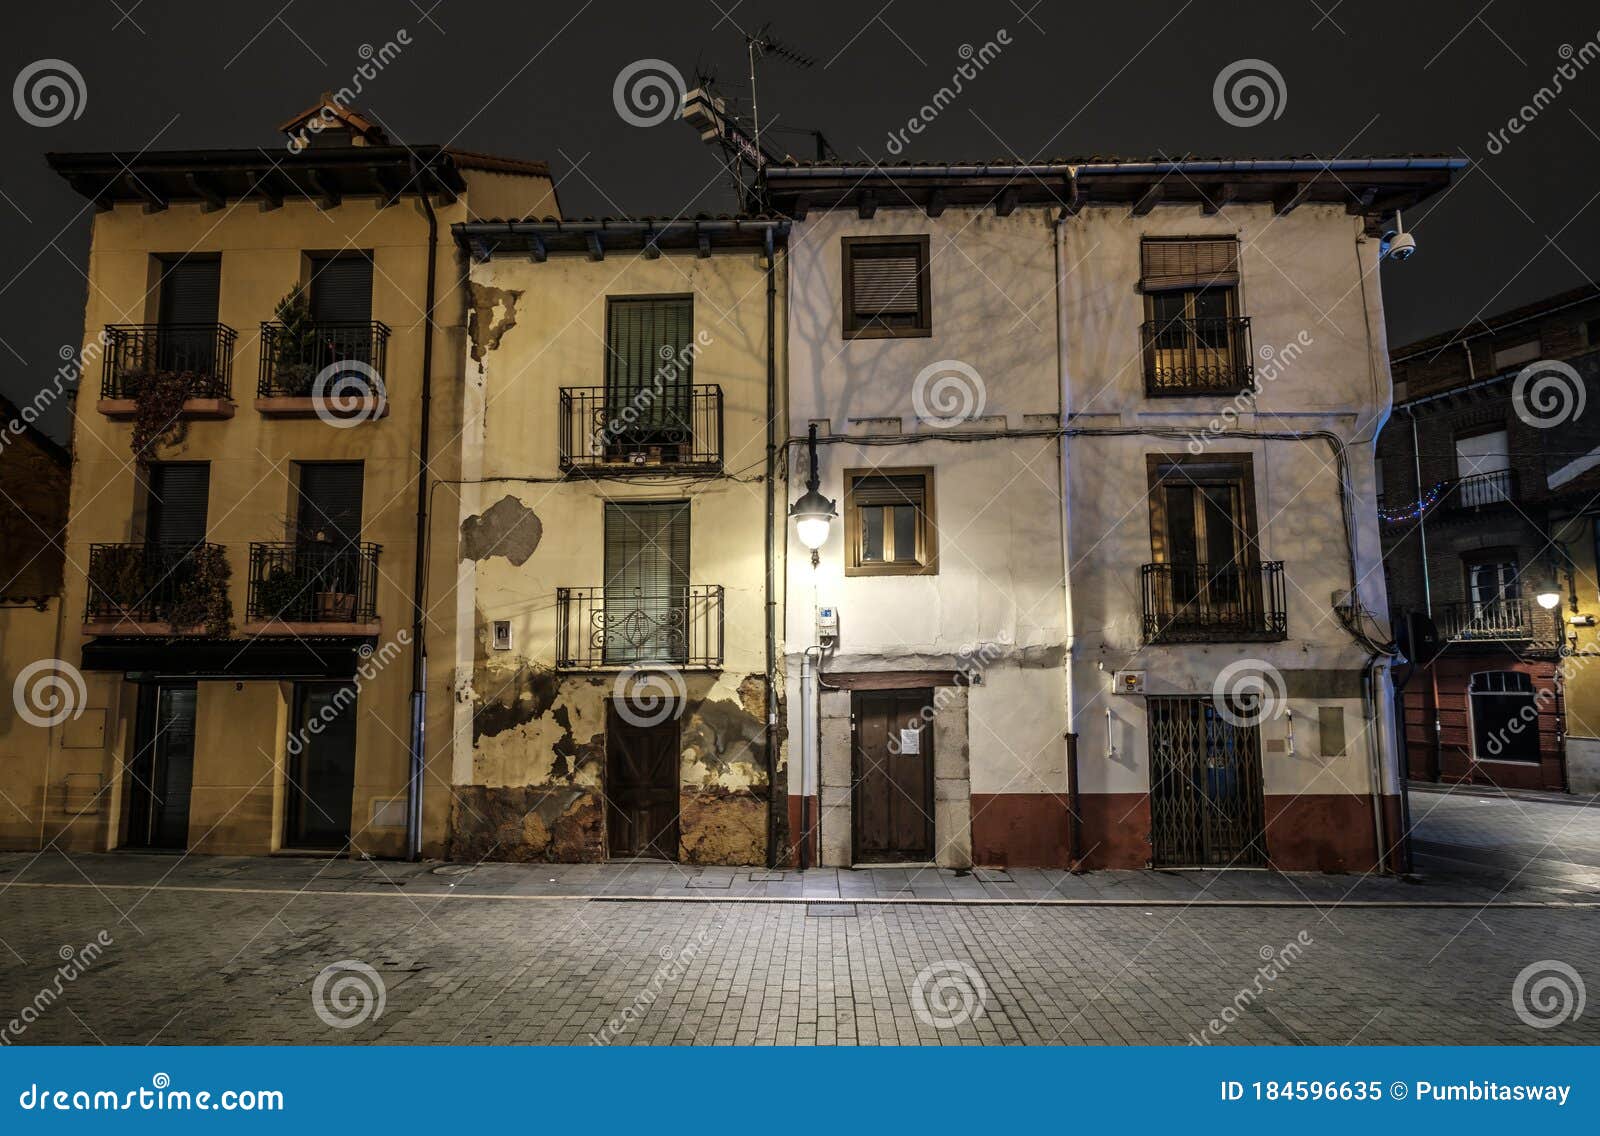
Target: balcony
{"type": "Point", "coordinates": [136, 354]}
{"type": "Point", "coordinates": [156, 589]}
{"type": "Point", "coordinates": [644, 431]}
{"type": "Point", "coordinates": [1207, 356]}
{"type": "Point", "coordinates": [1511, 620]}
{"type": "Point", "coordinates": [1204, 603]}
{"type": "Point", "coordinates": [611, 629]}
{"type": "Point", "coordinates": [313, 588]}
{"type": "Point", "coordinates": [293, 357]}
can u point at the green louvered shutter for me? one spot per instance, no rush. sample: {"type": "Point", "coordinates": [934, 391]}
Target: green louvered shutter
{"type": "Point", "coordinates": [650, 369]}
{"type": "Point", "coordinates": [647, 582]}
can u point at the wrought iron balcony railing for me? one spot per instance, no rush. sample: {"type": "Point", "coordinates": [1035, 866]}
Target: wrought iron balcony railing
{"type": "Point", "coordinates": [601, 628]}
{"type": "Point", "coordinates": [1217, 603]}
{"type": "Point", "coordinates": [293, 357]}
{"type": "Point", "coordinates": [642, 430]}
{"type": "Point", "coordinates": [134, 352]}
{"type": "Point", "coordinates": [1197, 356]}
{"type": "Point", "coordinates": [1510, 620]}
{"type": "Point", "coordinates": [1480, 491]}
{"type": "Point", "coordinates": [313, 582]}
{"type": "Point", "coordinates": [144, 583]}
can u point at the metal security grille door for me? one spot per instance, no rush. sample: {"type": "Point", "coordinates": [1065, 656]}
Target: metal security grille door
{"type": "Point", "coordinates": [1205, 787]}
{"type": "Point", "coordinates": [649, 378]}
{"type": "Point", "coordinates": [645, 613]}
{"type": "Point", "coordinates": [891, 802]}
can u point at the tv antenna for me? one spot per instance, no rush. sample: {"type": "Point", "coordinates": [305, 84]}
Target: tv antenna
{"type": "Point", "coordinates": [759, 45]}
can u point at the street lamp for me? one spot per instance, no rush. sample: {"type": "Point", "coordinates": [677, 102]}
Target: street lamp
{"type": "Point", "coordinates": [813, 514]}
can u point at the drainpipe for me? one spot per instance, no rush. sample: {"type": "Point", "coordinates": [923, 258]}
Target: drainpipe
{"type": "Point", "coordinates": [808, 731]}
{"type": "Point", "coordinates": [1070, 753]}
{"type": "Point", "coordinates": [777, 795]}
{"type": "Point", "coordinates": [419, 650]}
{"type": "Point", "coordinates": [1422, 517]}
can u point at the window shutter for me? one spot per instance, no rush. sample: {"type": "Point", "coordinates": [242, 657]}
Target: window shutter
{"type": "Point", "coordinates": [644, 337]}
{"type": "Point", "coordinates": [176, 513]}
{"type": "Point", "coordinates": [1168, 264]}
{"type": "Point", "coordinates": [341, 289]}
{"type": "Point", "coordinates": [647, 548]}
{"type": "Point", "coordinates": [189, 291]}
{"type": "Point", "coordinates": [889, 489]}
{"type": "Point", "coordinates": [886, 283]}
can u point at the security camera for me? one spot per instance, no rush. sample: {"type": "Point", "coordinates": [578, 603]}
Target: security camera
{"type": "Point", "coordinates": [1397, 243]}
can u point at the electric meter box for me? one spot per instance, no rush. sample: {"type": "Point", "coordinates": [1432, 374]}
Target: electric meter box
{"type": "Point", "coordinates": [827, 624]}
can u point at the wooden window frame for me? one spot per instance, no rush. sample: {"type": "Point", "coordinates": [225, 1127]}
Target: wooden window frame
{"type": "Point", "coordinates": [1244, 464]}
{"type": "Point", "coordinates": [927, 562]}
{"type": "Point", "coordinates": [856, 328]}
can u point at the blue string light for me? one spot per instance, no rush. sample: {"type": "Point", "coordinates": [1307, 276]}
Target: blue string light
{"type": "Point", "coordinates": [1415, 509]}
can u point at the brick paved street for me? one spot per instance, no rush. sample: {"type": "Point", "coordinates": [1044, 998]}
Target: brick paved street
{"type": "Point", "coordinates": [230, 950]}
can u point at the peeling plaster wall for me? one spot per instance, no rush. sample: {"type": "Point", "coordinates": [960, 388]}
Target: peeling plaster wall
{"type": "Point", "coordinates": [530, 742]}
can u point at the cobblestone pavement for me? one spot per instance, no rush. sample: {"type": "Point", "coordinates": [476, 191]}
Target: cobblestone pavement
{"type": "Point", "coordinates": [238, 950]}
{"type": "Point", "coordinates": [216, 967]}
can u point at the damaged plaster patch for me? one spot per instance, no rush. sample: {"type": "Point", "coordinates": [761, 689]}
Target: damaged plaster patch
{"type": "Point", "coordinates": [494, 312]}
{"type": "Point", "coordinates": [507, 528]}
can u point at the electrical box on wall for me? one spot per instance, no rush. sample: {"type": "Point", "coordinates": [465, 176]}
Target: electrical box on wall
{"type": "Point", "coordinates": [827, 626]}
{"type": "Point", "coordinates": [1128, 682]}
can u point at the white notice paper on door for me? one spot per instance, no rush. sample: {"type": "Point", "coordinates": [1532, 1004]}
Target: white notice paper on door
{"type": "Point", "coordinates": [910, 741]}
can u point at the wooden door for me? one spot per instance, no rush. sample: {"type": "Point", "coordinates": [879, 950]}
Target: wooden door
{"type": "Point", "coordinates": [641, 787]}
{"type": "Point", "coordinates": [892, 798]}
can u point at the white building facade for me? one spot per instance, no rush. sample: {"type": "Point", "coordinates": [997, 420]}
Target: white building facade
{"type": "Point", "coordinates": [1101, 584]}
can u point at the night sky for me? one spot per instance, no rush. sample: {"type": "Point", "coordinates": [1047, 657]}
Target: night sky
{"type": "Point", "coordinates": [1129, 79]}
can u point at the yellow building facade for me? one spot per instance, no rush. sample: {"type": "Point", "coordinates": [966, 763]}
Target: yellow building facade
{"type": "Point", "coordinates": [239, 596]}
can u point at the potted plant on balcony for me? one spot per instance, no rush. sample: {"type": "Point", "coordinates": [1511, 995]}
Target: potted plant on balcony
{"type": "Point", "coordinates": [279, 593]}
{"type": "Point", "coordinates": [158, 410]}
{"type": "Point", "coordinates": [294, 370]}
{"type": "Point", "coordinates": [203, 596]}
{"type": "Point", "coordinates": [119, 583]}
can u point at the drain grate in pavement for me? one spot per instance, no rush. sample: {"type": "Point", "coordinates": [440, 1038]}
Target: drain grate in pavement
{"type": "Point", "coordinates": [705, 881]}
{"type": "Point", "coordinates": [830, 911]}
{"type": "Point", "coordinates": [766, 877]}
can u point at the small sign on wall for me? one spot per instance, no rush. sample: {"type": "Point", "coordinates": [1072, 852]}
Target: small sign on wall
{"type": "Point", "coordinates": [910, 741]}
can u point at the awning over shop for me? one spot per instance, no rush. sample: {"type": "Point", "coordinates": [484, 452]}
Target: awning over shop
{"type": "Point", "coordinates": [261, 657]}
